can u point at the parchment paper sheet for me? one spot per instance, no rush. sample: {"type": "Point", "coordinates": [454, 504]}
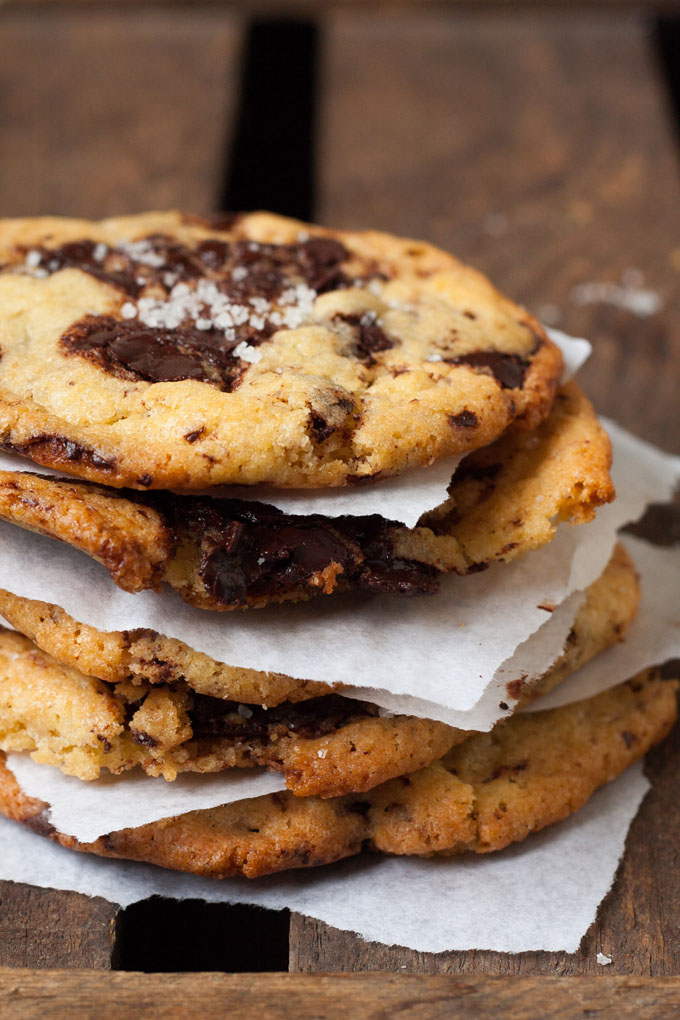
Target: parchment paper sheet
{"type": "Point", "coordinates": [444, 649]}
{"type": "Point", "coordinates": [653, 637]}
{"type": "Point", "coordinates": [89, 809]}
{"type": "Point", "coordinates": [540, 894]}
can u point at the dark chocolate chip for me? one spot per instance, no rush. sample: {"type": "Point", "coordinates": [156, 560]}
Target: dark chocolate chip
{"type": "Point", "coordinates": [214, 717]}
{"type": "Point", "coordinates": [143, 739]}
{"type": "Point", "coordinates": [319, 427]}
{"type": "Point", "coordinates": [463, 420]}
{"type": "Point", "coordinates": [58, 450]}
{"type": "Point", "coordinates": [250, 551]}
{"type": "Point", "coordinates": [508, 370]}
{"type": "Point", "coordinates": [370, 337]}
{"type": "Point", "coordinates": [130, 350]}
{"type": "Point", "coordinates": [191, 437]}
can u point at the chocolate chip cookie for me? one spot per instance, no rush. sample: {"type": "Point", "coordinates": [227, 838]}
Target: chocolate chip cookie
{"type": "Point", "coordinates": [327, 746]}
{"type": "Point", "coordinates": [504, 501]}
{"type": "Point", "coordinates": [489, 791]}
{"type": "Point", "coordinates": [160, 351]}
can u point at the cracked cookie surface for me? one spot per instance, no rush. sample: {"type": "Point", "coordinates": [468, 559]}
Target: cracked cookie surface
{"type": "Point", "coordinates": [160, 351]}
{"type": "Point", "coordinates": [327, 746]}
{"type": "Point", "coordinates": [491, 790]}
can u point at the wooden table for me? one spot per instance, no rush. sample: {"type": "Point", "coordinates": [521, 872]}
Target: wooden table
{"type": "Point", "coordinates": [538, 143]}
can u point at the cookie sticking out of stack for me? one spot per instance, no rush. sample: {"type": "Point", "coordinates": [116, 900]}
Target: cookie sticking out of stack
{"type": "Point", "coordinates": [503, 501]}
{"type": "Point", "coordinates": [327, 745]}
{"type": "Point", "coordinates": [489, 791]}
{"type": "Point", "coordinates": [157, 357]}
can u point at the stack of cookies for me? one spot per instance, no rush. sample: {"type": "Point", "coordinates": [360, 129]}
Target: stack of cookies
{"type": "Point", "coordinates": [210, 407]}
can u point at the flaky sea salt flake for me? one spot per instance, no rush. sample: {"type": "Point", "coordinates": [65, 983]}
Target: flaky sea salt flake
{"type": "Point", "coordinates": [247, 353]}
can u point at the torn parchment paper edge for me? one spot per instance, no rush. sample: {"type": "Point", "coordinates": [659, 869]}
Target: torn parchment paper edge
{"type": "Point", "coordinates": [541, 894]}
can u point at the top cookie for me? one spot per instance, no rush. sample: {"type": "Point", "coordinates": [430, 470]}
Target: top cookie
{"type": "Point", "coordinates": [163, 351]}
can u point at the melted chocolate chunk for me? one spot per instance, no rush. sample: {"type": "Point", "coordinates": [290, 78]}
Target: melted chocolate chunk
{"type": "Point", "coordinates": [250, 550]}
{"type": "Point", "coordinates": [178, 260]}
{"type": "Point", "coordinates": [130, 350]}
{"type": "Point", "coordinates": [370, 337]}
{"type": "Point", "coordinates": [320, 259]}
{"type": "Point", "coordinates": [213, 254]}
{"type": "Point", "coordinates": [270, 268]}
{"type": "Point", "coordinates": [242, 270]}
{"type": "Point", "coordinates": [212, 717]}
{"type": "Point", "coordinates": [57, 449]}
{"type": "Point", "coordinates": [507, 369]}
{"type": "Point", "coordinates": [319, 427]}
{"type": "Point", "coordinates": [465, 420]}
{"type": "Point", "coordinates": [81, 255]}
{"type": "Point", "coordinates": [382, 571]}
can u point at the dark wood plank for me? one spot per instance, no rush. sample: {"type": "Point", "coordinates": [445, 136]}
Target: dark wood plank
{"type": "Point", "coordinates": [112, 111]}
{"type": "Point", "coordinates": [44, 928]}
{"type": "Point", "coordinates": [105, 112]}
{"type": "Point", "coordinates": [537, 149]}
{"type": "Point", "coordinates": [51, 995]}
{"type": "Point", "coordinates": [635, 926]}
{"type": "Point", "coordinates": [314, 7]}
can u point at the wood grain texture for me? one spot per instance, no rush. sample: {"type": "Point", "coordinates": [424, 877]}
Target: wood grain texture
{"type": "Point", "coordinates": [110, 111]}
{"type": "Point", "coordinates": [536, 147]}
{"type": "Point", "coordinates": [105, 112]}
{"type": "Point", "coordinates": [637, 924]}
{"type": "Point", "coordinates": [289, 8]}
{"type": "Point", "coordinates": [43, 928]}
{"type": "Point", "coordinates": [81, 994]}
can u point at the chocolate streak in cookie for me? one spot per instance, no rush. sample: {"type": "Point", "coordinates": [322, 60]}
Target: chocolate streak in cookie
{"type": "Point", "coordinates": [240, 271]}
{"type": "Point", "coordinates": [251, 551]}
{"type": "Point", "coordinates": [212, 717]}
